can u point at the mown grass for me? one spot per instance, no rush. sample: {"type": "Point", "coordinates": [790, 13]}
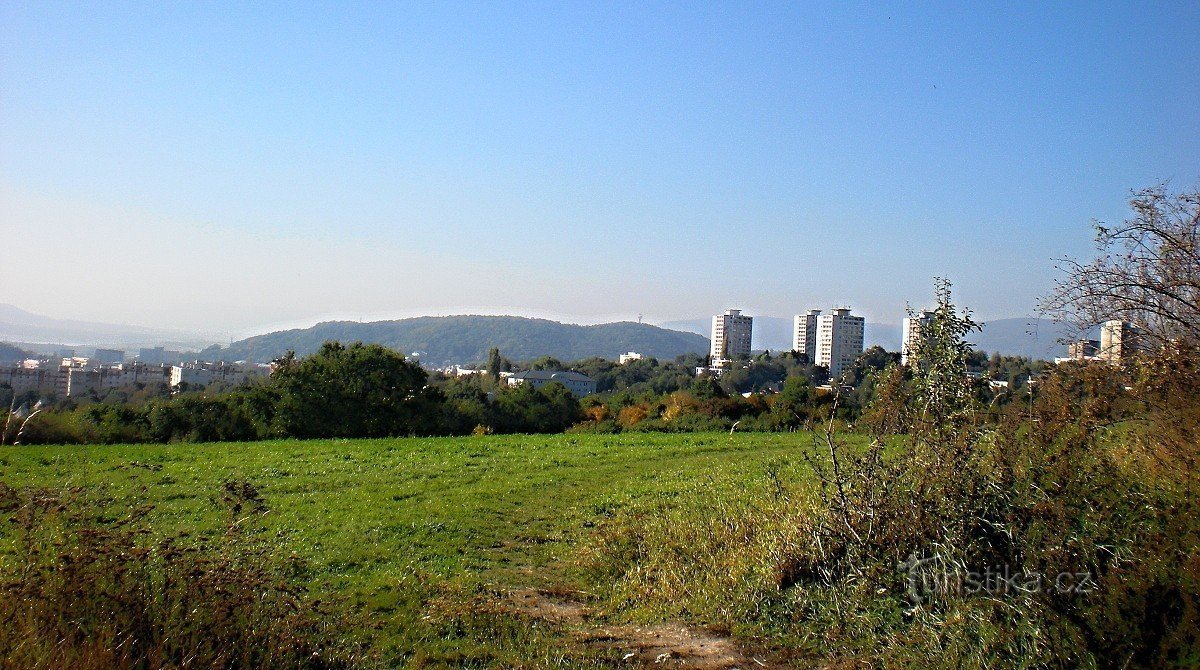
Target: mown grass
{"type": "Point", "coordinates": [408, 533]}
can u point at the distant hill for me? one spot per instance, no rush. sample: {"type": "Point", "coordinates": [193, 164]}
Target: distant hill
{"type": "Point", "coordinates": [11, 352]}
{"type": "Point", "coordinates": [466, 339]}
{"type": "Point", "coordinates": [18, 325]}
{"type": "Point", "coordinates": [1033, 338]}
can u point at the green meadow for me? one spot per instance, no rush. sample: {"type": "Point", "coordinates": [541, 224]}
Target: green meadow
{"type": "Point", "coordinates": [419, 540]}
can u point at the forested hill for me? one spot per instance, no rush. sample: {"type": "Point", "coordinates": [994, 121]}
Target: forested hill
{"type": "Point", "coordinates": [466, 339]}
{"type": "Point", "coordinates": [10, 352]}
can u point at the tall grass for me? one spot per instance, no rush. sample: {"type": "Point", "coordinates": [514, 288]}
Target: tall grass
{"type": "Point", "coordinates": [81, 590]}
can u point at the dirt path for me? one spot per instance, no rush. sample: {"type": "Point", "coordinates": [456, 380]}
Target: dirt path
{"type": "Point", "coordinates": [666, 645]}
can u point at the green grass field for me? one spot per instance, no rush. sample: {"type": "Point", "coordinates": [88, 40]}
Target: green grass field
{"type": "Point", "coordinates": [416, 536]}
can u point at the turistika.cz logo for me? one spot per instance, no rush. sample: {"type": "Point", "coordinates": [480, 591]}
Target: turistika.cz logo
{"type": "Point", "coordinates": [932, 577]}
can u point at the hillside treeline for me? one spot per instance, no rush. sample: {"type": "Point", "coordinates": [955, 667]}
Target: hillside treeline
{"type": "Point", "coordinates": [440, 340]}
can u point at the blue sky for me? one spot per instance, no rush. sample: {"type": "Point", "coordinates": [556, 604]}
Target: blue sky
{"type": "Point", "coordinates": [234, 167]}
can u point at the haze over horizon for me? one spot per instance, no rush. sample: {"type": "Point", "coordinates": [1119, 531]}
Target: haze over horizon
{"type": "Point", "coordinates": [235, 170]}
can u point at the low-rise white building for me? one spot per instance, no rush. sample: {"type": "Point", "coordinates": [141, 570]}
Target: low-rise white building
{"type": "Point", "coordinates": [630, 356]}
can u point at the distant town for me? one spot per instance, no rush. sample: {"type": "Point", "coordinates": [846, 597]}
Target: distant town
{"type": "Point", "coordinates": [832, 340]}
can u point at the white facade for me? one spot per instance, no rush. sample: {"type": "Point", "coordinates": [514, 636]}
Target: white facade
{"type": "Point", "coordinates": [462, 371]}
{"type": "Point", "coordinates": [730, 335]}
{"type": "Point", "coordinates": [25, 378]}
{"type": "Point", "coordinates": [630, 356]}
{"type": "Point", "coordinates": [839, 340]}
{"type": "Point", "coordinates": [200, 374]}
{"type": "Point", "coordinates": [1118, 341]}
{"type": "Point", "coordinates": [77, 376]}
{"type": "Point", "coordinates": [80, 380]}
{"type": "Point", "coordinates": [912, 334]}
{"type": "Point", "coordinates": [804, 334]}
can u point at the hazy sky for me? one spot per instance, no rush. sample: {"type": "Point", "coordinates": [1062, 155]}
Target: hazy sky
{"type": "Point", "coordinates": [224, 169]}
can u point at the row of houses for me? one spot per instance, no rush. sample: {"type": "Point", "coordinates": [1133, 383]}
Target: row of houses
{"type": "Point", "coordinates": [75, 376]}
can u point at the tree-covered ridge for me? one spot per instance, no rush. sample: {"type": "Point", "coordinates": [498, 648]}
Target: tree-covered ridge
{"type": "Point", "coordinates": [11, 352]}
{"type": "Point", "coordinates": [467, 339]}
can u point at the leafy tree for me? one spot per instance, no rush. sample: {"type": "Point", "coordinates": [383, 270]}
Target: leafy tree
{"type": "Point", "coordinates": [940, 384]}
{"type": "Point", "coordinates": [1147, 271]}
{"type": "Point", "coordinates": [114, 424]}
{"type": "Point", "coordinates": [546, 363]}
{"type": "Point", "coordinates": [195, 418]}
{"type": "Point", "coordinates": [796, 406]}
{"type": "Point", "coordinates": [465, 408]}
{"type": "Point", "coordinates": [360, 390]}
{"type": "Point", "coordinates": [525, 409]}
{"type": "Point", "coordinates": [762, 373]}
{"type": "Point", "coordinates": [705, 388]}
{"type": "Point", "coordinates": [494, 363]}
{"type": "Point", "coordinates": [872, 360]}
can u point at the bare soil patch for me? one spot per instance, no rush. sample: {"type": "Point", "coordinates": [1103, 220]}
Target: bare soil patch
{"type": "Point", "coordinates": [670, 645]}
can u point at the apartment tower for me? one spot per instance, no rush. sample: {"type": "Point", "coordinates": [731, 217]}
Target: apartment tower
{"type": "Point", "coordinates": [1118, 340]}
{"type": "Point", "coordinates": [912, 334]}
{"type": "Point", "coordinates": [730, 336]}
{"type": "Point", "coordinates": [804, 334]}
{"type": "Point", "coordinates": [839, 340]}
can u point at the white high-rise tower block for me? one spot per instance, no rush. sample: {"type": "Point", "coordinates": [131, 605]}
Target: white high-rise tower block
{"type": "Point", "coordinates": [912, 335]}
{"type": "Point", "coordinates": [804, 334]}
{"type": "Point", "coordinates": [730, 335]}
{"type": "Point", "coordinates": [839, 340]}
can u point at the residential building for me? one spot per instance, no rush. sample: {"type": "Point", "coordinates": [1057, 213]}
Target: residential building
{"type": "Point", "coordinates": [839, 340]}
{"type": "Point", "coordinates": [578, 384]}
{"type": "Point", "coordinates": [199, 374]}
{"type": "Point", "coordinates": [24, 378]}
{"type": "Point", "coordinates": [80, 380]}
{"type": "Point", "coordinates": [109, 356]}
{"type": "Point", "coordinates": [913, 326]}
{"type": "Point", "coordinates": [142, 374]}
{"type": "Point", "coordinates": [1118, 340]}
{"type": "Point", "coordinates": [730, 336]}
{"type": "Point", "coordinates": [804, 334]}
{"type": "Point", "coordinates": [630, 356]}
{"type": "Point", "coordinates": [159, 356]}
